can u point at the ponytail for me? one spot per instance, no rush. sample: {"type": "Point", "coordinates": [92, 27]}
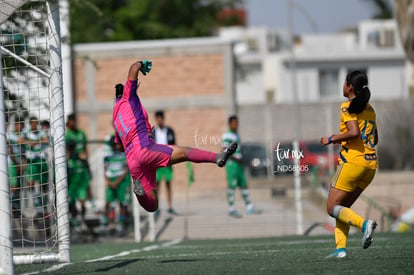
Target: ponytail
{"type": "Point", "coordinates": [359, 81]}
{"type": "Point", "coordinates": [119, 90]}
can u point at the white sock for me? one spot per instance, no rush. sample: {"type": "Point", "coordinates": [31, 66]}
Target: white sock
{"type": "Point", "coordinates": [249, 206]}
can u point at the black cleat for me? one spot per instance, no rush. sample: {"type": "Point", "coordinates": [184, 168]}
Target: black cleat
{"type": "Point", "coordinates": [222, 157]}
{"type": "Point", "coordinates": [138, 189]}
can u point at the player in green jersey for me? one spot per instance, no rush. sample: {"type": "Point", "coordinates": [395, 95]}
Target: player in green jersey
{"type": "Point", "coordinates": [78, 168]}
{"type": "Point", "coordinates": [235, 171]}
{"type": "Point", "coordinates": [37, 169]}
{"type": "Point", "coordinates": [16, 164]}
{"type": "Point", "coordinates": [118, 180]}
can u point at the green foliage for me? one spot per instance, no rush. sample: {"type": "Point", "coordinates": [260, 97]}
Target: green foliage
{"type": "Point", "coordinates": [117, 20]}
{"type": "Point", "coordinates": [92, 20]}
{"type": "Point", "coordinates": [384, 8]}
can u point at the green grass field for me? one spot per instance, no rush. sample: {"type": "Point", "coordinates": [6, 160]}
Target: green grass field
{"type": "Point", "coordinates": [389, 254]}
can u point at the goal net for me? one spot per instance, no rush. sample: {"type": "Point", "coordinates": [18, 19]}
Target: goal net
{"type": "Point", "coordinates": [33, 185]}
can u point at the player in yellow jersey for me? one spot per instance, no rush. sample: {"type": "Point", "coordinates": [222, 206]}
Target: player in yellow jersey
{"type": "Point", "coordinates": [357, 161]}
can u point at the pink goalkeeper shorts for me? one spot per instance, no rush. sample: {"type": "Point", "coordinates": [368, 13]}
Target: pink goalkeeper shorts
{"type": "Point", "coordinates": [143, 163]}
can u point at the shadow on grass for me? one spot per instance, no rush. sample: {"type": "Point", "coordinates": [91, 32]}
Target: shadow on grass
{"type": "Point", "coordinates": [118, 264]}
{"type": "Point", "coordinates": [178, 261]}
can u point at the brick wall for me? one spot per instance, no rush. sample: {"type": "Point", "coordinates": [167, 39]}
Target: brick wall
{"type": "Point", "coordinates": [182, 75]}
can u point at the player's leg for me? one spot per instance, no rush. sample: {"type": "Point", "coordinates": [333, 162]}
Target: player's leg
{"type": "Point", "coordinates": [168, 180]}
{"type": "Point", "coordinates": [73, 185]}
{"type": "Point", "coordinates": [72, 195]}
{"type": "Point", "coordinates": [83, 191]}
{"type": "Point", "coordinates": [344, 191]}
{"type": "Point", "coordinates": [149, 200]}
{"type": "Point", "coordinates": [159, 175]}
{"type": "Point", "coordinates": [121, 195]}
{"type": "Point", "coordinates": [342, 228]}
{"type": "Point", "coordinates": [242, 184]}
{"type": "Point", "coordinates": [169, 198]}
{"type": "Point", "coordinates": [142, 166]}
{"type": "Point", "coordinates": [232, 185]}
{"type": "Point", "coordinates": [369, 225]}
{"type": "Point", "coordinates": [14, 190]}
{"type": "Point", "coordinates": [33, 175]}
{"type": "Point", "coordinates": [145, 189]}
{"type": "Point", "coordinates": [338, 197]}
{"type": "Point", "coordinates": [44, 184]}
{"type": "Point", "coordinates": [181, 154]}
{"type": "Point", "coordinates": [109, 197]}
{"type": "Point", "coordinates": [336, 208]}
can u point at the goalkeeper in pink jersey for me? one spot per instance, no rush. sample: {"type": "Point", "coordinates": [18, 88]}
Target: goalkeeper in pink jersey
{"type": "Point", "coordinates": [143, 155]}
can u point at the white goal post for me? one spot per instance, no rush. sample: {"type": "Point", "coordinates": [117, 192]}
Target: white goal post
{"type": "Point", "coordinates": [53, 73]}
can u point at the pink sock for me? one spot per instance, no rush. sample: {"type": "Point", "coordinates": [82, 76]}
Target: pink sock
{"type": "Point", "coordinates": [148, 202]}
{"type": "Point", "coordinates": [197, 155]}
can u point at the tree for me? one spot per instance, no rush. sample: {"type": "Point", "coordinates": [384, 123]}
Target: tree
{"type": "Point", "coordinates": [384, 8]}
{"type": "Point", "coordinates": [92, 20]}
{"type": "Point", "coordinates": [118, 20]}
{"type": "Point", "coordinates": [405, 19]}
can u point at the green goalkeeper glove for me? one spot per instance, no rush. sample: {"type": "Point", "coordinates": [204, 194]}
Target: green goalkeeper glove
{"type": "Point", "coordinates": [146, 66]}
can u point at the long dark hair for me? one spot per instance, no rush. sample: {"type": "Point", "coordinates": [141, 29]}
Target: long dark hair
{"type": "Point", "coordinates": [119, 90]}
{"type": "Point", "coordinates": [359, 81]}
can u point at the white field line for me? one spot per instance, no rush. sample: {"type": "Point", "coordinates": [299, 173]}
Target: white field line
{"type": "Point", "coordinates": [250, 252]}
{"type": "Point", "coordinates": [276, 243]}
{"type": "Point", "coordinates": [173, 245]}
{"type": "Point", "coordinates": [121, 254]}
{"type": "Point", "coordinates": [126, 253]}
{"type": "Point", "coordinates": [259, 243]}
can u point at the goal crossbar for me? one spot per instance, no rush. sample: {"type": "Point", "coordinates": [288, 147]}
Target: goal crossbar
{"type": "Point", "coordinates": [24, 61]}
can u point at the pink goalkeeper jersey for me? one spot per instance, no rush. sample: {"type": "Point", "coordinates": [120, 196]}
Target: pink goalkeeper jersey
{"type": "Point", "coordinates": [130, 119]}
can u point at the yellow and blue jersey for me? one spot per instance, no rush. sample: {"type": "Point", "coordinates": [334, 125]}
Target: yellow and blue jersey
{"type": "Point", "coordinates": [360, 151]}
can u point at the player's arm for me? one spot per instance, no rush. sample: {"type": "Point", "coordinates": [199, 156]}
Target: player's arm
{"type": "Point", "coordinates": [144, 66]}
{"type": "Point", "coordinates": [352, 133]}
{"type": "Point", "coordinates": [118, 143]}
{"type": "Point", "coordinates": [376, 138]}
{"type": "Point", "coordinates": [108, 182]}
{"type": "Point", "coordinates": [114, 184]}
{"type": "Point", "coordinates": [173, 134]}
{"type": "Point", "coordinates": [44, 139]}
{"type": "Point", "coordinates": [11, 155]}
{"type": "Point", "coordinates": [121, 177]}
{"type": "Point", "coordinates": [239, 160]}
{"type": "Point", "coordinates": [85, 145]}
{"type": "Point", "coordinates": [28, 142]}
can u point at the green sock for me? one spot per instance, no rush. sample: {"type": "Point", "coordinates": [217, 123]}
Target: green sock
{"type": "Point", "coordinates": [230, 197]}
{"type": "Point", "coordinates": [246, 196]}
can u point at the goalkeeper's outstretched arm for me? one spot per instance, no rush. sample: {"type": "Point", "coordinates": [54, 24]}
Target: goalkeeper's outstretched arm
{"type": "Point", "coordinates": [134, 70]}
{"type": "Point", "coordinates": [144, 66]}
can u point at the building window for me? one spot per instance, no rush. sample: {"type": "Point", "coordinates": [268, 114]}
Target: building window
{"type": "Point", "coordinates": [328, 82]}
{"type": "Point", "coordinates": [383, 38]}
